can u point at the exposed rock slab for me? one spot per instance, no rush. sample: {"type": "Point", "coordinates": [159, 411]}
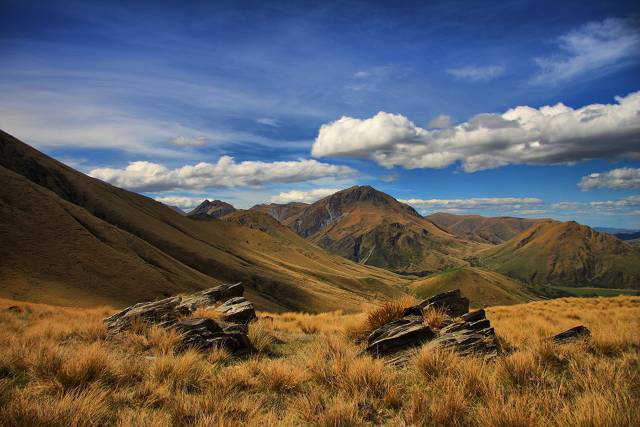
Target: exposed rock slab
{"type": "Point", "coordinates": [398, 335]}
{"type": "Point", "coordinates": [574, 334]}
{"type": "Point", "coordinates": [166, 312]}
{"type": "Point", "coordinates": [452, 301]}
{"type": "Point", "coordinates": [474, 337]}
{"type": "Point", "coordinates": [204, 333]}
{"type": "Point", "coordinates": [237, 310]}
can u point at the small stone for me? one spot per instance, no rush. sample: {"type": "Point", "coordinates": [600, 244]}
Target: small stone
{"type": "Point", "coordinates": [452, 301]}
{"type": "Point", "coordinates": [398, 335]}
{"type": "Point", "coordinates": [237, 310]}
{"type": "Point", "coordinates": [574, 334]}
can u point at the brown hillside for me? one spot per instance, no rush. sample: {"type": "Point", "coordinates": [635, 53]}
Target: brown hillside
{"type": "Point", "coordinates": [484, 288]}
{"type": "Point", "coordinates": [566, 253]}
{"type": "Point", "coordinates": [278, 276]}
{"type": "Point", "coordinates": [373, 228]}
{"type": "Point", "coordinates": [281, 212]}
{"type": "Point", "coordinates": [493, 230]}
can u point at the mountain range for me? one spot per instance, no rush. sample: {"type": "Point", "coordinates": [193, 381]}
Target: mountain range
{"type": "Point", "coordinates": [74, 240]}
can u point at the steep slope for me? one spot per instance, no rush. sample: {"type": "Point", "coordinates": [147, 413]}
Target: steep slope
{"type": "Point", "coordinates": [277, 276]}
{"type": "Point", "coordinates": [281, 212]}
{"type": "Point", "coordinates": [493, 230]}
{"type": "Point", "coordinates": [566, 253]}
{"type": "Point", "coordinates": [215, 209]}
{"type": "Point", "coordinates": [373, 228]}
{"type": "Point", "coordinates": [484, 288]}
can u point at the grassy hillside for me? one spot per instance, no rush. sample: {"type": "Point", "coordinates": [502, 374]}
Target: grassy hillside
{"type": "Point", "coordinates": [566, 254]}
{"type": "Point", "coordinates": [484, 288]}
{"type": "Point", "coordinates": [278, 275]}
{"type": "Point", "coordinates": [58, 367]}
{"type": "Point", "coordinates": [493, 230]}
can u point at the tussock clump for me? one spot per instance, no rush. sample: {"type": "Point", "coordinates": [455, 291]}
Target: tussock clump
{"type": "Point", "coordinates": [384, 313]}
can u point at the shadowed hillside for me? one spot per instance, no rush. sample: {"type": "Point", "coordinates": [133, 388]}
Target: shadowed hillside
{"type": "Point", "coordinates": [184, 253]}
{"type": "Point", "coordinates": [281, 212]}
{"type": "Point", "coordinates": [484, 288]}
{"type": "Point", "coordinates": [566, 253]}
{"type": "Point", "coordinates": [373, 228]}
{"type": "Point", "coordinates": [482, 229]}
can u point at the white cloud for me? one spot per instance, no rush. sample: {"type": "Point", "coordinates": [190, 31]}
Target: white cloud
{"type": "Point", "coordinates": [440, 122]}
{"type": "Point", "coordinates": [186, 141]}
{"type": "Point", "coordinates": [616, 179]}
{"type": "Point", "coordinates": [303, 196]}
{"type": "Point", "coordinates": [593, 49]}
{"type": "Point", "coordinates": [476, 73]}
{"type": "Point", "coordinates": [226, 173]}
{"type": "Point", "coordinates": [183, 202]}
{"type": "Point", "coordinates": [476, 202]}
{"type": "Point", "coordinates": [555, 134]}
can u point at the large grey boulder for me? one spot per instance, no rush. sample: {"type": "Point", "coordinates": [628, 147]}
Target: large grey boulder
{"type": "Point", "coordinates": [453, 302]}
{"type": "Point", "coordinates": [398, 335]}
{"type": "Point", "coordinates": [471, 336]}
{"type": "Point", "coordinates": [237, 310]}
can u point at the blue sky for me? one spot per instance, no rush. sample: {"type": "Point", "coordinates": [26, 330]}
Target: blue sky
{"type": "Point", "coordinates": [245, 102]}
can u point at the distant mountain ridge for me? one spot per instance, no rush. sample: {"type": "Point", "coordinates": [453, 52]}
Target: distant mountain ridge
{"type": "Point", "coordinates": [482, 229]}
{"type": "Point", "coordinates": [213, 209]}
{"type": "Point", "coordinates": [281, 212]}
{"type": "Point", "coordinates": [372, 228]}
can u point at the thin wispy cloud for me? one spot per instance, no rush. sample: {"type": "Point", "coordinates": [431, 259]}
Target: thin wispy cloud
{"type": "Point", "coordinates": [183, 202]}
{"type": "Point", "coordinates": [547, 135]}
{"type": "Point", "coordinates": [591, 50]}
{"type": "Point", "coordinates": [477, 73]}
{"type": "Point", "coordinates": [186, 141]}
{"type": "Point", "coordinates": [616, 179]}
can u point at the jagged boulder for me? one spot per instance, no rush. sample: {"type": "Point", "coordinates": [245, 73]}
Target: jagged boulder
{"type": "Point", "coordinates": [166, 312]}
{"type": "Point", "coordinates": [472, 335]}
{"type": "Point", "coordinates": [574, 334]}
{"type": "Point", "coordinates": [452, 301]}
{"type": "Point", "coordinates": [398, 335]}
{"type": "Point", "coordinates": [204, 333]}
{"type": "Point", "coordinates": [237, 310]}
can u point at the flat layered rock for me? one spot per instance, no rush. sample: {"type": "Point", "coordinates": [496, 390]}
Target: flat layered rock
{"type": "Point", "coordinates": [204, 333]}
{"type": "Point", "coordinates": [399, 335]}
{"type": "Point", "coordinates": [453, 302]}
{"type": "Point", "coordinates": [166, 312]}
{"type": "Point", "coordinates": [474, 337]}
{"type": "Point", "coordinates": [574, 334]}
{"type": "Point", "coordinates": [237, 310]}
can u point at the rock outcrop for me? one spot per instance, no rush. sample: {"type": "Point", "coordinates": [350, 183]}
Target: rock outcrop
{"type": "Point", "coordinates": [215, 209]}
{"type": "Point", "coordinates": [237, 310]}
{"type": "Point", "coordinates": [468, 334]}
{"type": "Point", "coordinates": [574, 334]}
{"type": "Point", "coordinates": [399, 335]}
{"type": "Point", "coordinates": [199, 332]}
{"type": "Point", "coordinates": [472, 335]}
{"type": "Point", "coordinates": [453, 302]}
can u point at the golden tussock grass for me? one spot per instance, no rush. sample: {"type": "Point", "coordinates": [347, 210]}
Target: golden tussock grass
{"type": "Point", "coordinates": [59, 367]}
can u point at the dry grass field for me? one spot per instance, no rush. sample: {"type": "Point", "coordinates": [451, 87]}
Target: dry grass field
{"type": "Point", "coordinates": [58, 367]}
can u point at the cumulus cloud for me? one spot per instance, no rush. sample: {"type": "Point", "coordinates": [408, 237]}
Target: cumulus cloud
{"type": "Point", "coordinates": [594, 48]}
{"type": "Point", "coordinates": [616, 179]}
{"type": "Point", "coordinates": [183, 202]}
{"type": "Point", "coordinates": [477, 74]}
{"type": "Point", "coordinates": [226, 173]}
{"type": "Point", "coordinates": [440, 122]}
{"type": "Point", "coordinates": [555, 134]}
{"type": "Point", "coordinates": [476, 202]}
{"type": "Point", "coordinates": [186, 141]}
{"type": "Point", "coordinates": [303, 196]}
